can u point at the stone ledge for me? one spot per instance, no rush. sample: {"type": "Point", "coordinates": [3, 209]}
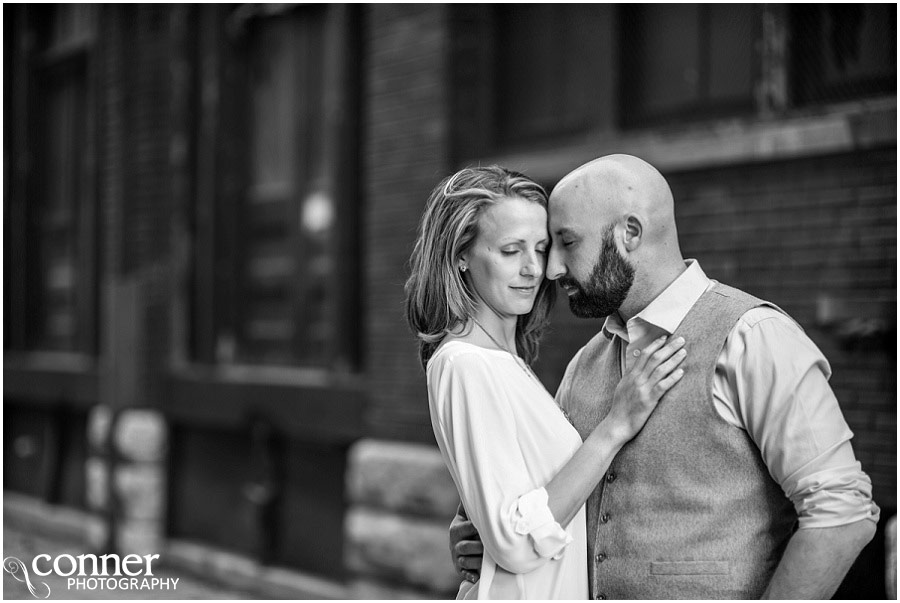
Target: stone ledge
{"type": "Point", "coordinates": [399, 549]}
{"type": "Point", "coordinates": [402, 477]}
{"type": "Point", "coordinates": [99, 422]}
{"type": "Point", "coordinates": [97, 483]}
{"type": "Point", "coordinates": [141, 490]}
{"type": "Point", "coordinates": [141, 435]}
{"type": "Point", "coordinates": [238, 571]}
{"type": "Point", "coordinates": [368, 589]}
{"type": "Point", "coordinates": [40, 517]}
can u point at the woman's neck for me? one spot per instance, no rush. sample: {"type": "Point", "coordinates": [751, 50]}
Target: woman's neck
{"type": "Point", "coordinates": [498, 330]}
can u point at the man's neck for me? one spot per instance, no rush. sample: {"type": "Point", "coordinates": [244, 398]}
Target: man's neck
{"type": "Point", "coordinates": [655, 284]}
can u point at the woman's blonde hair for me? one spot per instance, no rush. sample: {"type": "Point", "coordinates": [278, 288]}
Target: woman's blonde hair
{"type": "Point", "coordinates": [439, 300]}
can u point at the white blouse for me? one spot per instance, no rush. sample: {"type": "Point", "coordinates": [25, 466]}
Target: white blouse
{"type": "Point", "coordinates": [503, 439]}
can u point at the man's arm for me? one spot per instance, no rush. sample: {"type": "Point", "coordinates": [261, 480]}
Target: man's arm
{"type": "Point", "coordinates": [817, 559]}
{"type": "Point", "coordinates": [778, 379]}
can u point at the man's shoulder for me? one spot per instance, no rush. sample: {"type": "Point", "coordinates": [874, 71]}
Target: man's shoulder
{"type": "Point", "coordinates": [755, 309]}
{"type": "Point", "coordinates": [591, 349]}
{"type": "Point", "coordinates": [596, 345]}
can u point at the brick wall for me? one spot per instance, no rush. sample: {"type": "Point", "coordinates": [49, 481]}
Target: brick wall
{"type": "Point", "coordinates": [406, 135]}
{"type": "Point", "coordinates": [817, 237]}
{"type": "Point", "coordinates": [134, 91]}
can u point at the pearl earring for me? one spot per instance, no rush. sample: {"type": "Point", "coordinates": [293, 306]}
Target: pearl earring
{"type": "Point", "coordinates": [463, 268]}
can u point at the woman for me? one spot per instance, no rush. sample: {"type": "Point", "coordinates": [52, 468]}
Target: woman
{"type": "Point", "coordinates": [478, 302]}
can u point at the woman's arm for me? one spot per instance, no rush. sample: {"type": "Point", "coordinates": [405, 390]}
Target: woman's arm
{"type": "Point", "coordinates": [478, 434]}
{"type": "Point", "coordinates": [636, 396]}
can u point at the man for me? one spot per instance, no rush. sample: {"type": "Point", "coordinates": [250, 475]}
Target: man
{"type": "Point", "coordinates": [743, 483]}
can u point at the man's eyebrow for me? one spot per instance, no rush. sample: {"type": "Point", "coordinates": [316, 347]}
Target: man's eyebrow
{"type": "Point", "coordinates": [563, 231]}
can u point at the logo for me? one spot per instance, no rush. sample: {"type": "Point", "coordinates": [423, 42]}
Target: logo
{"type": "Point", "coordinates": [90, 572]}
{"type": "Point", "coordinates": [15, 567]}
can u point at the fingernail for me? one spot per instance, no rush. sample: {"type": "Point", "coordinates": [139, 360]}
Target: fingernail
{"type": "Point", "coordinates": [680, 340]}
{"type": "Point", "coordinates": [682, 352]}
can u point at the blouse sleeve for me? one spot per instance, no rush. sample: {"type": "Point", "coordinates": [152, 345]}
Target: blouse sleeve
{"type": "Point", "coordinates": [476, 428]}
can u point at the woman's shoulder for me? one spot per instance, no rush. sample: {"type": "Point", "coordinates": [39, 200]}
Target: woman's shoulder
{"type": "Point", "coordinates": [453, 350]}
{"type": "Point", "coordinates": [461, 355]}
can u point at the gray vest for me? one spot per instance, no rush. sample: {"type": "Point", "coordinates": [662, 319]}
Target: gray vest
{"type": "Point", "coordinates": [688, 509]}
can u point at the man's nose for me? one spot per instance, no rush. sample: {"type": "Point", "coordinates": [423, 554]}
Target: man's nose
{"type": "Point", "coordinates": [555, 266]}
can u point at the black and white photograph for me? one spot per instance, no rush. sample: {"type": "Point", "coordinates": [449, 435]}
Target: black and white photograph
{"type": "Point", "coordinates": [379, 301]}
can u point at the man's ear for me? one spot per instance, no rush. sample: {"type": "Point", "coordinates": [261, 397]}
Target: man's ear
{"type": "Point", "coordinates": [632, 233]}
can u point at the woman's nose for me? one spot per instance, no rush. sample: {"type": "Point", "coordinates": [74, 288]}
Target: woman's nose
{"type": "Point", "coordinates": [532, 266]}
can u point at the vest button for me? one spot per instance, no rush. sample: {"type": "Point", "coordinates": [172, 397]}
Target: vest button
{"type": "Point", "coordinates": [610, 477]}
{"type": "Point", "coordinates": [600, 557]}
{"type": "Point", "coordinates": [600, 597]}
{"type": "Point", "coordinates": [604, 518]}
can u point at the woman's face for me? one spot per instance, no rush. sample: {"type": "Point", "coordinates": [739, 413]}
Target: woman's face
{"type": "Point", "coordinates": [507, 259]}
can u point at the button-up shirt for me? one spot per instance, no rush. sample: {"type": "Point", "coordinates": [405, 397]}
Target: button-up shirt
{"type": "Point", "coordinates": [772, 381]}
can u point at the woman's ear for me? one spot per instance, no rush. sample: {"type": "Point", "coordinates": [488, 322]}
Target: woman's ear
{"type": "Point", "coordinates": [633, 232]}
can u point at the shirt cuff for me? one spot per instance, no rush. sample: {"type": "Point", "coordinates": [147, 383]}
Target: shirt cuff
{"type": "Point", "coordinates": [826, 500]}
{"type": "Point", "coordinates": [532, 517]}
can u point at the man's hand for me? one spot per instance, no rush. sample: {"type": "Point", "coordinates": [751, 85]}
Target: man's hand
{"type": "Point", "coordinates": [465, 546]}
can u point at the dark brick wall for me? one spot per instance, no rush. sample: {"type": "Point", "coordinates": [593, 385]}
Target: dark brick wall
{"type": "Point", "coordinates": [405, 119]}
{"type": "Point", "coordinates": [817, 237]}
{"type": "Point", "coordinates": [136, 204]}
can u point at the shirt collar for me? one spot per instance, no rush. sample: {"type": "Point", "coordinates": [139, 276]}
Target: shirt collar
{"type": "Point", "coordinates": [670, 307]}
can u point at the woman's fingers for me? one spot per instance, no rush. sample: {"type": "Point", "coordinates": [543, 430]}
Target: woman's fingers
{"type": "Point", "coordinates": [657, 352]}
{"type": "Point", "coordinates": [666, 384]}
{"type": "Point", "coordinates": [645, 354]}
{"type": "Point", "coordinates": [670, 364]}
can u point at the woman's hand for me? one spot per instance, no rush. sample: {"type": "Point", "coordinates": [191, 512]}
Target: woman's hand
{"type": "Point", "coordinates": [653, 373]}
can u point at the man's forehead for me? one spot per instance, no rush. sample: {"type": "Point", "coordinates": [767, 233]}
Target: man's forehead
{"type": "Point", "coordinates": [565, 201]}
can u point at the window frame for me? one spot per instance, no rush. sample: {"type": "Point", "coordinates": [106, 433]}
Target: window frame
{"type": "Point", "coordinates": [31, 63]}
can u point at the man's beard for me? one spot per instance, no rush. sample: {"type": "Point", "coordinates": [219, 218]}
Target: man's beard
{"type": "Point", "coordinates": [607, 286]}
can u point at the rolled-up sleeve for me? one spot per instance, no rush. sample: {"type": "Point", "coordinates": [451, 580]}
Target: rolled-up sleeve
{"type": "Point", "coordinates": [532, 518]}
{"type": "Point", "coordinates": [476, 429]}
{"type": "Point", "coordinates": [777, 380]}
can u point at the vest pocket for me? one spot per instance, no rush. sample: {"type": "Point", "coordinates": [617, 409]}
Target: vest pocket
{"type": "Point", "coordinates": [688, 568]}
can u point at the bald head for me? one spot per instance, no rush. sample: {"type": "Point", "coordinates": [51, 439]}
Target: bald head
{"type": "Point", "coordinates": [612, 187]}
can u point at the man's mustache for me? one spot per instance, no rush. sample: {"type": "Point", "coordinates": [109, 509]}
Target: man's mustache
{"type": "Point", "coordinates": [568, 282]}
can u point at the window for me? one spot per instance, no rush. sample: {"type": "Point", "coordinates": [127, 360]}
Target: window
{"type": "Point", "coordinates": [51, 211]}
{"type": "Point", "coordinates": [541, 72]}
{"type": "Point", "coordinates": [548, 64]}
{"type": "Point", "coordinates": [844, 51]}
{"type": "Point", "coordinates": [275, 282]}
{"type": "Point", "coordinates": [687, 61]}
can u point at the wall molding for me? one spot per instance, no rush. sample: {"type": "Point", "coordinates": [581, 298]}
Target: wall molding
{"type": "Point", "coordinates": [831, 130]}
